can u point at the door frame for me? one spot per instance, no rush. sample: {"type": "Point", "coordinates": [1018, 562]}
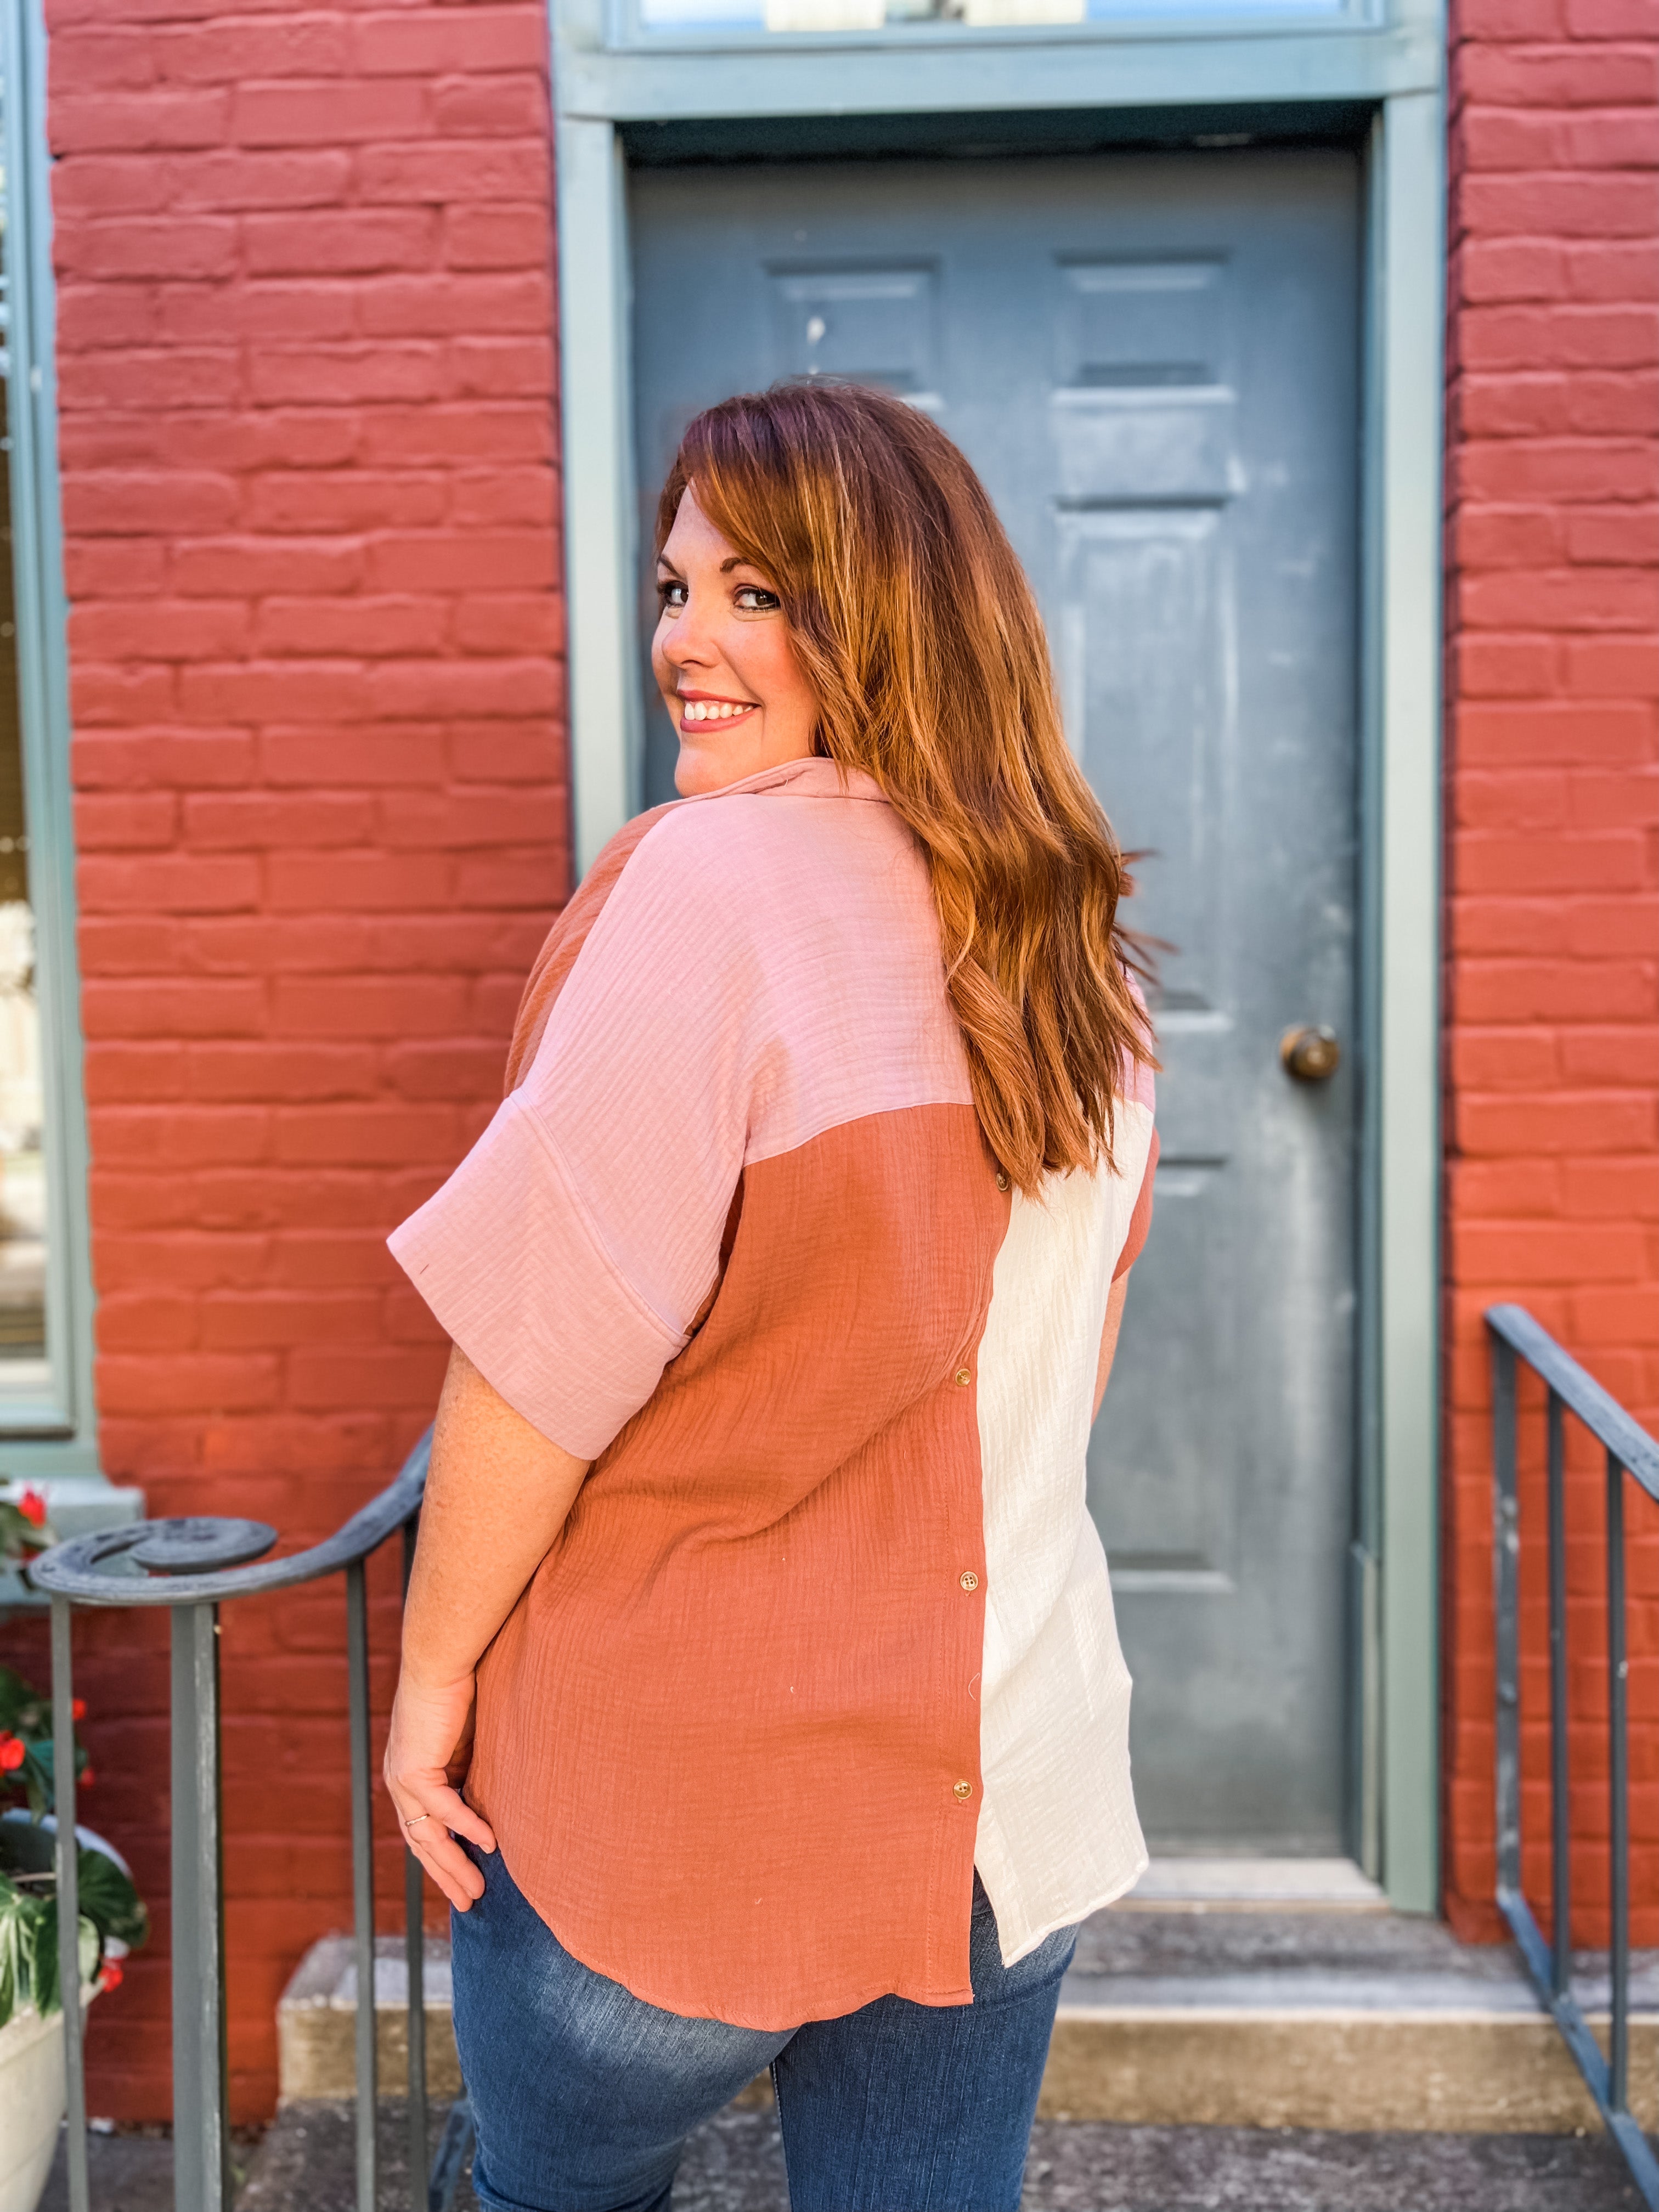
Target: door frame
{"type": "Point", "coordinates": [1387, 60]}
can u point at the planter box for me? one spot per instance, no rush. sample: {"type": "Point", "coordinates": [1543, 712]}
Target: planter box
{"type": "Point", "coordinates": [32, 2093]}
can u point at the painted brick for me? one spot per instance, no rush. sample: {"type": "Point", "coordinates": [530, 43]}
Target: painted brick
{"type": "Point", "coordinates": [117, 122]}
{"type": "Point", "coordinates": [457, 172]}
{"type": "Point", "coordinates": [146, 245]}
{"type": "Point", "coordinates": [1552, 1070]}
{"type": "Point", "coordinates": [353, 240]}
{"type": "Point", "coordinates": [435, 41]}
{"type": "Point", "coordinates": [309, 501]}
{"type": "Point", "coordinates": [1607, 667]}
{"type": "Point", "coordinates": [233, 178]}
{"type": "Point", "coordinates": [518, 237]}
{"type": "Point", "coordinates": [360, 627]}
{"type": "Point", "coordinates": [340, 110]}
{"type": "Point", "coordinates": [227, 52]}
{"type": "Point", "coordinates": [344, 374]}
{"type": "Point", "coordinates": [308, 422]}
{"type": "Point", "coordinates": [105, 504]}
{"type": "Point", "coordinates": [507, 431]}
{"type": "Point", "coordinates": [204, 376]}
{"type": "Point", "coordinates": [499, 368]}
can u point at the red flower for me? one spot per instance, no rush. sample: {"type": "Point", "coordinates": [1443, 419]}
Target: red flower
{"type": "Point", "coordinates": [11, 1753]}
{"type": "Point", "coordinates": [33, 1507]}
{"type": "Point", "coordinates": [77, 1709]}
{"type": "Point", "coordinates": [87, 1777]}
{"type": "Point", "coordinates": [112, 1977]}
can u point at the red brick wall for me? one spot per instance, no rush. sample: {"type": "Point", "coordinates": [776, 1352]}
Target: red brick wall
{"type": "Point", "coordinates": [1552, 841]}
{"type": "Point", "coordinates": [306, 362]}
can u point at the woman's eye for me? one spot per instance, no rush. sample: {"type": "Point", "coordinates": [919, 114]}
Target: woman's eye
{"type": "Point", "coordinates": [671, 591]}
{"type": "Point", "coordinates": [754, 600]}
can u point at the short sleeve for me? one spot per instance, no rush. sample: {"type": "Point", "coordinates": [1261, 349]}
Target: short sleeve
{"type": "Point", "coordinates": [1140, 1220]}
{"type": "Point", "coordinates": [569, 1253]}
{"type": "Point", "coordinates": [1139, 1095]}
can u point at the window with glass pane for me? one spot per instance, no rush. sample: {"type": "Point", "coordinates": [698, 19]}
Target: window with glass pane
{"type": "Point", "coordinates": [874, 15]}
{"type": "Point", "coordinates": [22, 1165]}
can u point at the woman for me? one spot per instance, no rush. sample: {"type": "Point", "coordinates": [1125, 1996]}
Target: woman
{"type": "Point", "coordinates": [757, 1600]}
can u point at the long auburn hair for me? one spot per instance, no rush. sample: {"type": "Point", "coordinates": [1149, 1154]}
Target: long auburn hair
{"type": "Point", "coordinates": [914, 624]}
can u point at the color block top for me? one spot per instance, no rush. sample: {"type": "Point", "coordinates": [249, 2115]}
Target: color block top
{"type": "Point", "coordinates": [829, 1623]}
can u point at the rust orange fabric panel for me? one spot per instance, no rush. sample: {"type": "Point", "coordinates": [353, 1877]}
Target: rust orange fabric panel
{"type": "Point", "coordinates": [722, 1737]}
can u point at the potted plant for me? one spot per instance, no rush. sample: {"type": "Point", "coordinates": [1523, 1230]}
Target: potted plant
{"type": "Point", "coordinates": [112, 1916]}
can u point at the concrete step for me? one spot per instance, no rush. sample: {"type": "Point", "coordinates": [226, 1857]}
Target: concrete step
{"type": "Point", "coordinates": [1220, 2016]}
{"type": "Point", "coordinates": [317, 2021]}
{"type": "Point", "coordinates": [1181, 2012]}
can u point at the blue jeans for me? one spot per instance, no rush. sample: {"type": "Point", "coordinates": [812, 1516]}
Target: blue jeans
{"type": "Point", "coordinates": [584, 2094]}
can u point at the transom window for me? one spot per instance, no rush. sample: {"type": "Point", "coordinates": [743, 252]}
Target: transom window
{"type": "Point", "coordinates": [797, 17]}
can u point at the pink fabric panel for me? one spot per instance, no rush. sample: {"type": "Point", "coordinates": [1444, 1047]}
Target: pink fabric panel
{"type": "Point", "coordinates": [765, 969]}
{"type": "Point", "coordinates": [510, 1261]}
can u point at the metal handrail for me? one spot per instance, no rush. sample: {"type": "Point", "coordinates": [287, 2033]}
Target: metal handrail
{"type": "Point", "coordinates": [191, 1565]}
{"type": "Point", "coordinates": [99, 1570]}
{"type": "Point", "coordinates": [1630, 1450]}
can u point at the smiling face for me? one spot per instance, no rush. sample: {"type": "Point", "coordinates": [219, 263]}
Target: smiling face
{"type": "Point", "coordinates": [724, 661]}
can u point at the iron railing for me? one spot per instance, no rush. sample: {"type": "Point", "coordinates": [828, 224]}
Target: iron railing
{"type": "Point", "coordinates": [192, 1566]}
{"type": "Point", "coordinates": [1629, 1452]}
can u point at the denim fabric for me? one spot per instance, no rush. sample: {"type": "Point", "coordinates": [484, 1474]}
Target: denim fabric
{"type": "Point", "coordinates": [583, 2094]}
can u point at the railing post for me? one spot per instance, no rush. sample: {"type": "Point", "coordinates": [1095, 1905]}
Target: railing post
{"type": "Point", "coordinates": [414, 1970]}
{"type": "Point", "coordinates": [363, 1874]}
{"type": "Point", "coordinates": [1630, 1451]}
{"type": "Point", "coordinates": [1560, 1773]}
{"type": "Point", "coordinates": [1618, 1791]}
{"type": "Point", "coordinates": [69, 1900]}
{"type": "Point", "coordinates": [201, 2143]}
{"type": "Point", "coordinates": [1506, 1551]}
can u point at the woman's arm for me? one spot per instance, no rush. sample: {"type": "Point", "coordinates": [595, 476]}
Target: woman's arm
{"type": "Point", "coordinates": [496, 1497]}
{"type": "Point", "coordinates": [1109, 1336]}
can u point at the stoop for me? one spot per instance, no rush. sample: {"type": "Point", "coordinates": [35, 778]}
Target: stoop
{"type": "Point", "coordinates": [1222, 1993]}
{"type": "Point", "coordinates": [317, 2022]}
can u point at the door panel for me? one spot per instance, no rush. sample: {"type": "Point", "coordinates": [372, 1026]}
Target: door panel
{"type": "Point", "coordinates": [1151, 359]}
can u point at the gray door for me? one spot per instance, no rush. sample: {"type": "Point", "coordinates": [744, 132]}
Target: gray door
{"type": "Point", "coordinates": [1151, 359]}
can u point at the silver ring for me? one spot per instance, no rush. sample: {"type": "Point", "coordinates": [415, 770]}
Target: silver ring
{"type": "Point", "coordinates": [416, 1821]}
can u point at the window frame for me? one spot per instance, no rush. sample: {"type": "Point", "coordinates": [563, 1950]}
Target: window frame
{"type": "Point", "coordinates": [52, 1432]}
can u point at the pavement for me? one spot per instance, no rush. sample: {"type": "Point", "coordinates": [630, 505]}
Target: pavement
{"type": "Point", "coordinates": [735, 2163]}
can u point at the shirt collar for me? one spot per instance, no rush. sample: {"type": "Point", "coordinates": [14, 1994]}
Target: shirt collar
{"type": "Point", "coordinates": [814, 778]}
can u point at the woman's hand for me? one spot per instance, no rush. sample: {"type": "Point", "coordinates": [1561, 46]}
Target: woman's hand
{"type": "Point", "coordinates": [496, 1498]}
{"type": "Point", "coordinates": [427, 1755]}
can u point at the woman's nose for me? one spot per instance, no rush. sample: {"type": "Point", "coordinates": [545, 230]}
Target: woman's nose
{"type": "Point", "coordinates": [685, 644]}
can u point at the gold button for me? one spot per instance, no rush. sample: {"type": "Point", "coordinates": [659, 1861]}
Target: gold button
{"type": "Point", "coordinates": [964, 1376]}
{"type": "Point", "coordinates": [1002, 1178]}
{"type": "Point", "coordinates": [968, 1579]}
{"type": "Point", "coordinates": [964, 1791]}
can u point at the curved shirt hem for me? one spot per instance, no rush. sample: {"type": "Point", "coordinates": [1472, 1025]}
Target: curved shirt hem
{"type": "Point", "coordinates": [639, 1987]}
{"type": "Point", "coordinates": [1068, 1919]}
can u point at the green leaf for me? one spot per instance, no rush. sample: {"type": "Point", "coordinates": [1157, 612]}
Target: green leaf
{"type": "Point", "coordinates": [109, 1899]}
{"type": "Point", "coordinates": [28, 1951]}
{"type": "Point", "coordinates": [23, 1709]}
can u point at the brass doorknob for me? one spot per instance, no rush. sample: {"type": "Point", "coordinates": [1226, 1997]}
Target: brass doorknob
{"type": "Point", "coordinates": [1311, 1053]}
